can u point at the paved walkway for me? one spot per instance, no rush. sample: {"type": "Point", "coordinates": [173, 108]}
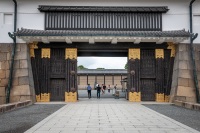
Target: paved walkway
{"type": "Point", "coordinates": [108, 116]}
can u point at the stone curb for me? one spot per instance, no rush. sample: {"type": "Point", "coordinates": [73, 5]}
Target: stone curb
{"type": "Point", "coordinates": [12, 106]}
{"type": "Point", "coordinates": [193, 106]}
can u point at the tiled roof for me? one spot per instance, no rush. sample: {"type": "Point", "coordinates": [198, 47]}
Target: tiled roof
{"type": "Point", "coordinates": [45, 8]}
{"type": "Point", "coordinates": [102, 71]}
{"type": "Point", "coordinates": [34, 32]}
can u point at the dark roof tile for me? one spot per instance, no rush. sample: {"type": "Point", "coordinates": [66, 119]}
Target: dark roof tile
{"type": "Point", "coordinates": [46, 8]}
{"type": "Point", "coordinates": [34, 32]}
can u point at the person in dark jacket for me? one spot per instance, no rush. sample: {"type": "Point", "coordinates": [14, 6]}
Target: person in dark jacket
{"type": "Point", "coordinates": [98, 92]}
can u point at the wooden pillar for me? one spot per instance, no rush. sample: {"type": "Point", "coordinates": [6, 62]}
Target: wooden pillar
{"type": "Point", "coordinates": [134, 75]}
{"type": "Point", "coordinates": [113, 80]}
{"type": "Point", "coordinates": [44, 74]}
{"type": "Point", "coordinates": [172, 49]}
{"type": "Point", "coordinates": [95, 78]}
{"type": "Point", "coordinates": [87, 78]}
{"type": "Point", "coordinates": [71, 75]}
{"type": "Point", "coordinates": [35, 56]}
{"type": "Point", "coordinates": [159, 85]}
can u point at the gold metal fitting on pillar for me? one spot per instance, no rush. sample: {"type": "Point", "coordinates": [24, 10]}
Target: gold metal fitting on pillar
{"type": "Point", "coordinates": [134, 53]}
{"type": "Point", "coordinates": [32, 47]}
{"type": "Point", "coordinates": [71, 53]}
{"type": "Point", "coordinates": [46, 53]}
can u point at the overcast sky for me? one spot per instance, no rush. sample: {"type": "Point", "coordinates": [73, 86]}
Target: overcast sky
{"type": "Point", "coordinates": [102, 62]}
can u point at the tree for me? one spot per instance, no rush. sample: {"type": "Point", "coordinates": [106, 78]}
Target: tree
{"type": "Point", "coordinates": [80, 67]}
{"type": "Point", "coordinates": [126, 66]}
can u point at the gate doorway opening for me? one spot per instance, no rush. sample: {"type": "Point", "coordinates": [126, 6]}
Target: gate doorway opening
{"type": "Point", "coordinates": [104, 71]}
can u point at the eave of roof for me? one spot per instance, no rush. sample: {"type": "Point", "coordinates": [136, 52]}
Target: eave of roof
{"type": "Point", "coordinates": [70, 36]}
{"type": "Point", "coordinates": [47, 8]}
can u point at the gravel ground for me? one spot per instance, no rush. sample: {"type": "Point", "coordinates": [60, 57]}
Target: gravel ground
{"type": "Point", "coordinates": [20, 120]}
{"type": "Point", "coordinates": [185, 116]}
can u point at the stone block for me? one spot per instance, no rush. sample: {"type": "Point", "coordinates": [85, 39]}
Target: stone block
{"type": "Point", "coordinates": [185, 73]}
{"type": "Point", "coordinates": [183, 64]}
{"type": "Point", "coordinates": [198, 65]}
{"type": "Point", "coordinates": [2, 74]}
{"type": "Point", "coordinates": [23, 64]}
{"type": "Point", "coordinates": [24, 98]}
{"type": "Point", "coordinates": [197, 107]}
{"type": "Point", "coordinates": [24, 80]}
{"type": "Point", "coordinates": [3, 56]}
{"type": "Point", "coordinates": [185, 91]}
{"type": "Point", "coordinates": [14, 99]}
{"type": "Point", "coordinates": [8, 56]}
{"type": "Point", "coordinates": [191, 99]}
{"type": "Point", "coordinates": [2, 100]}
{"type": "Point", "coordinates": [191, 83]}
{"type": "Point", "coordinates": [3, 65]}
{"type": "Point", "coordinates": [16, 64]}
{"type": "Point", "coordinates": [178, 103]}
{"type": "Point", "coordinates": [180, 98]}
{"type": "Point", "coordinates": [7, 73]}
{"type": "Point", "coordinates": [190, 66]}
{"type": "Point", "coordinates": [5, 47]}
{"type": "Point", "coordinates": [24, 47]}
{"type": "Point", "coordinates": [15, 81]}
{"type": "Point", "coordinates": [31, 81]}
{"type": "Point", "coordinates": [188, 105]}
{"type": "Point", "coordinates": [182, 47]}
{"type": "Point", "coordinates": [2, 91]}
{"type": "Point", "coordinates": [196, 55]}
{"type": "Point", "coordinates": [3, 82]}
{"type": "Point", "coordinates": [20, 72]}
{"type": "Point", "coordinates": [176, 65]}
{"type": "Point", "coordinates": [183, 82]}
{"type": "Point", "coordinates": [184, 56]}
{"type": "Point", "coordinates": [21, 55]}
{"type": "Point", "coordinates": [18, 47]}
{"type": "Point", "coordinates": [174, 78]}
{"type": "Point", "coordinates": [20, 90]}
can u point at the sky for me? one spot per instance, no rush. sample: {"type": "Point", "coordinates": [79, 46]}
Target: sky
{"type": "Point", "coordinates": [102, 62]}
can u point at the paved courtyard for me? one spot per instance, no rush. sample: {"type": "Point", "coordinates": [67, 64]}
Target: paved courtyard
{"type": "Point", "coordinates": [108, 116]}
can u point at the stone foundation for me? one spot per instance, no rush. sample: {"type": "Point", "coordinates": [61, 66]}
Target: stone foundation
{"type": "Point", "coordinates": [22, 84]}
{"type": "Point", "coordinates": [182, 81]}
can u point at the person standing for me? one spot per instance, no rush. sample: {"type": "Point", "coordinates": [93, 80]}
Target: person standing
{"type": "Point", "coordinates": [89, 88]}
{"type": "Point", "coordinates": [104, 88]}
{"type": "Point", "coordinates": [98, 92]}
{"type": "Point", "coordinates": [108, 88]}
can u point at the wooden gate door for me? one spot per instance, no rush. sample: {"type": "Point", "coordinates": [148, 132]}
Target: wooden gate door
{"type": "Point", "coordinates": [57, 75]}
{"type": "Point", "coordinates": [147, 71]}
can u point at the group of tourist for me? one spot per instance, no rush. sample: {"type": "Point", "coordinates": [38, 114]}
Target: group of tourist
{"type": "Point", "coordinates": [99, 89]}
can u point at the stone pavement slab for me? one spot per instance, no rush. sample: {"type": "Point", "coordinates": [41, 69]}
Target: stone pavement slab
{"type": "Point", "coordinates": [108, 116]}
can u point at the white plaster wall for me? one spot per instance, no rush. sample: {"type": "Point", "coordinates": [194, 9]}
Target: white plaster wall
{"type": "Point", "coordinates": [29, 17]}
{"type": "Point", "coordinates": [5, 8]}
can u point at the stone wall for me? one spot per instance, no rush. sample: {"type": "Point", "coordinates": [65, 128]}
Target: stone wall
{"type": "Point", "coordinates": [22, 85]}
{"type": "Point", "coordinates": [182, 81]}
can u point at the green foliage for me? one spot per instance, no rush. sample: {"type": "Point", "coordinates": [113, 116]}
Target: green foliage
{"type": "Point", "coordinates": [80, 67]}
{"type": "Point", "coordinates": [100, 68]}
{"type": "Point", "coordinates": [126, 66]}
